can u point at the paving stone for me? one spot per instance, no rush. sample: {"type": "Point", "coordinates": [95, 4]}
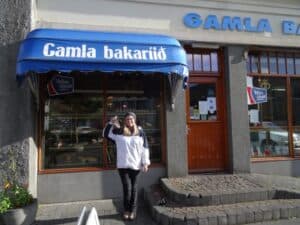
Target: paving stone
{"type": "Point", "coordinates": [249, 217]}
{"type": "Point", "coordinates": [222, 219]}
{"type": "Point", "coordinates": [231, 219]}
{"type": "Point", "coordinates": [191, 219]}
{"type": "Point", "coordinates": [258, 216]}
{"type": "Point", "coordinates": [212, 220]}
{"type": "Point", "coordinates": [164, 219]}
{"type": "Point", "coordinates": [215, 200]}
{"type": "Point", "coordinates": [267, 214]}
{"type": "Point", "coordinates": [275, 213]}
{"type": "Point", "coordinates": [203, 221]}
{"type": "Point", "coordinates": [241, 218]}
{"type": "Point", "coordinates": [284, 213]}
{"type": "Point", "coordinates": [177, 219]}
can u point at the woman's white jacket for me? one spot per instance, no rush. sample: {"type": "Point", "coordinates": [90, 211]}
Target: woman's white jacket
{"type": "Point", "coordinates": [132, 151]}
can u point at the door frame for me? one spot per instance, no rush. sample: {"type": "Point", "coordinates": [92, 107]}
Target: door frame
{"type": "Point", "coordinates": [219, 79]}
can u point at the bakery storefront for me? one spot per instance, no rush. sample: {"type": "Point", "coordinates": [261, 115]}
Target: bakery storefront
{"type": "Point", "coordinates": [83, 78]}
{"type": "Point", "coordinates": [238, 112]}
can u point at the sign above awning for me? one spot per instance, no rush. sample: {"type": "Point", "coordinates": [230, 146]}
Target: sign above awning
{"type": "Point", "coordinates": [62, 50]}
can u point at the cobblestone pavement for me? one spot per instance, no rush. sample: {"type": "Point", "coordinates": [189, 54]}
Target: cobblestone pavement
{"type": "Point", "coordinates": [205, 184]}
{"type": "Point", "coordinates": [212, 184]}
{"type": "Point", "coordinates": [294, 221]}
{"type": "Point", "coordinates": [143, 218]}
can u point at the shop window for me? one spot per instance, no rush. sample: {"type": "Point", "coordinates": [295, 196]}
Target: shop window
{"type": "Point", "coordinates": [281, 64]}
{"type": "Point", "coordinates": [73, 122]}
{"type": "Point", "coordinates": [295, 84]}
{"type": "Point", "coordinates": [202, 62]}
{"type": "Point", "coordinates": [273, 63]}
{"type": "Point", "coordinates": [264, 67]}
{"type": "Point", "coordinates": [290, 64]}
{"type": "Point", "coordinates": [253, 63]}
{"type": "Point", "coordinates": [273, 89]}
{"type": "Point", "coordinates": [297, 64]}
{"type": "Point", "coordinates": [268, 120]}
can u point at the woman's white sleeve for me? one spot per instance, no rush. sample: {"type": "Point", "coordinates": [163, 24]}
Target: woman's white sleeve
{"type": "Point", "coordinates": [146, 157]}
{"type": "Point", "coordinates": [145, 154]}
{"type": "Point", "coordinates": [108, 132]}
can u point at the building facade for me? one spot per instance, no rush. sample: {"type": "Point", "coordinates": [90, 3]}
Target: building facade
{"type": "Point", "coordinates": [239, 113]}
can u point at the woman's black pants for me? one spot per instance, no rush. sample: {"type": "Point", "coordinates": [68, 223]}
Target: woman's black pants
{"type": "Point", "coordinates": [130, 193]}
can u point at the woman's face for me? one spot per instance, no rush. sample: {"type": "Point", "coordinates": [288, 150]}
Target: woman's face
{"type": "Point", "coordinates": [129, 121]}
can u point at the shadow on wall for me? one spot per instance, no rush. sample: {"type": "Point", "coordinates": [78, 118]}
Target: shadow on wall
{"type": "Point", "coordinates": [17, 118]}
{"type": "Point", "coordinates": [18, 111]}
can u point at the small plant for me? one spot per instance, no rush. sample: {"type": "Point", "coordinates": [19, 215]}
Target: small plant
{"type": "Point", "coordinates": [14, 196]}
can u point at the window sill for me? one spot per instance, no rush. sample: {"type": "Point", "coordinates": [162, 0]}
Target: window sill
{"type": "Point", "coordinates": [87, 169]}
{"type": "Point", "coordinates": [272, 159]}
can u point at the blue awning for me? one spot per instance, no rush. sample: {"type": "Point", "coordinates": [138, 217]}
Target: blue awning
{"type": "Point", "coordinates": [46, 50]}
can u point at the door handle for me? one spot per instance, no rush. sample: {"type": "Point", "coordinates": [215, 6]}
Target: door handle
{"type": "Point", "coordinates": [187, 128]}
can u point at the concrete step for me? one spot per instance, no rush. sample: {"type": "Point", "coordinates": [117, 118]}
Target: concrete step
{"type": "Point", "coordinates": [208, 190]}
{"type": "Point", "coordinates": [168, 212]}
{"type": "Point", "coordinates": [72, 209]}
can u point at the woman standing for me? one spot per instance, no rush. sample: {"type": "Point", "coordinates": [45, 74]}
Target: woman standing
{"type": "Point", "coordinates": [132, 156]}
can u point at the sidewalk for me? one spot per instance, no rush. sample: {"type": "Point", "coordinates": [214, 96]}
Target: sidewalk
{"type": "Point", "coordinates": [109, 210]}
{"type": "Point", "coordinates": [143, 218]}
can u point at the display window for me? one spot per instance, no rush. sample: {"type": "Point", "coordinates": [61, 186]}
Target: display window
{"type": "Point", "coordinates": [75, 108]}
{"type": "Point", "coordinates": [273, 85]}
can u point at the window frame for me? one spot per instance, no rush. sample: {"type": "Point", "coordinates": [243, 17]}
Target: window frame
{"type": "Point", "coordinates": [287, 53]}
{"type": "Point", "coordinates": [42, 80]}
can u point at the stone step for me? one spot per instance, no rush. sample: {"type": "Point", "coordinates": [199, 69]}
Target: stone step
{"type": "Point", "coordinates": [220, 189]}
{"type": "Point", "coordinates": [169, 213]}
{"type": "Point", "coordinates": [72, 209]}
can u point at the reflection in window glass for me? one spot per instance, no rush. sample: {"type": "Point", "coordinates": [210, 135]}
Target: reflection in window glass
{"type": "Point", "coordinates": [197, 62]}
{"type": "Point", "coordinates": [73, 129]}
{"type": "Point", "coordinates": [254, 63]}
{"type": "Point", "coordinates": [297, 65]}
{"type": "Point", "coordinates": [296, 141]}
{"type": "Point", "coordinates": [73, 122]}
{"type": "Point", "coordinates": [190, 61]}
{"type": "Point", "coordinates": [248, 65]}
{"type": "Point", "coordinates": [203, 105]}
{"type": "Point", "coordinates": [281, 64]}
{"type": "Point", "coordinates": [273, 63]}
{"type": "Point", "coordinates": [206, 62]}
{"type": "Point", "coordinates": [290, 64]}
{"type": "Point", "coordinates": [214, 61]}
{"type": "Point", "coordinates": [268, 120]}
{"type": "Point", "coordinates": [269, 141]}
{"type": "Point", "coordinates": [264, 63]}
{"type": "Point", "coordinates": [295, 83]}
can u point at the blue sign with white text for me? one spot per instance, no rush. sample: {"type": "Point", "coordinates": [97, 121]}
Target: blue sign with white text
{"type": "Point", "coordinates": [236, 23]}
{"type": "Point", "coordinates": [63, 50]}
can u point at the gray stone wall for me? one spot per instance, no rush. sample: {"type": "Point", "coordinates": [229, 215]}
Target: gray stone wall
{"type": "Point", "coordinates": [176, 136]}
{"type": "Point", "coordinates": [238, 123]}
{"type": "Point", "coordinates": [16, 107]}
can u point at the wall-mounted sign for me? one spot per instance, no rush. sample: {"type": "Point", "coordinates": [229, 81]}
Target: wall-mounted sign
{"type": "Point", "coordinates": [236, 23]}
{"type": "Point", "coordinates": [256, 95]}
{"type": "Point", "coordinates": [60, 85]}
